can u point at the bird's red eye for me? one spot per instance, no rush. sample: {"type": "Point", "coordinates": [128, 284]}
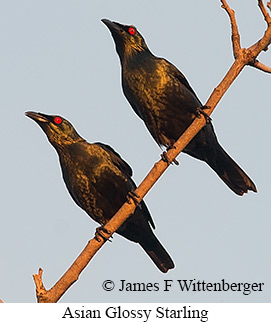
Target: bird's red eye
{"type": "Point", "coordinates": [131, 31]}
{"type": "Point", "coordinates": [57, 120]}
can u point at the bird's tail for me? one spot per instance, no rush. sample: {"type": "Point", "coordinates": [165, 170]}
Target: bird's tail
{"type": "Point", "coordinates": [157, 253]}
{"type": "Point", "coordinates": [228, 170]}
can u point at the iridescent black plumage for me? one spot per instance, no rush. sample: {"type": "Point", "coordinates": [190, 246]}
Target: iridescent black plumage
{"type": "Point", "coordinates": [162, 97]}
{"type": "Point", "coordinates": [98, 180]}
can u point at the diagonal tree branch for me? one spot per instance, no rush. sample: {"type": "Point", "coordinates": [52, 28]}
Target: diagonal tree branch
{"type": "Point", "coordinates": [243, 57]}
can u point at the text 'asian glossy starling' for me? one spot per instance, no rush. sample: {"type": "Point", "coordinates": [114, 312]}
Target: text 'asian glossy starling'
{"type": "Point", "coordinates": [162, 97]}
{"type": "Point", "coordinates": [98, 180]}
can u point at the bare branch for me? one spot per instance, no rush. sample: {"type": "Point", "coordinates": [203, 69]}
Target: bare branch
{"type": "Point", "coordinates": [71, 276]}
{"type": "Point", "coordinates": [243, 57]}
{"type": "Point", "coordinates": [264, 11]}
{"type": "Point", "coordinates": [235, 34]}
{"type": "Point", "coordinates": [261, 66]}
{"type": "Point", "coordinates": [264, 42]}
{"type": "Point", "coordinates": [40, 289]}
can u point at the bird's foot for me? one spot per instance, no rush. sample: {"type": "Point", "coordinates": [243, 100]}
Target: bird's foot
{"type": "Point", "coordinates": [133, 196]}
{"type": "Point", "coordinates": [102, 232]}
{"type": "Point", "coordinates": [200, 111]}
{"type": "Point", "coordinates": [164, 157]}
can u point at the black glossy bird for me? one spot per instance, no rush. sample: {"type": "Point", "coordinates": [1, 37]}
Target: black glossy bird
{"type": "Point", "coordinates": [162, 97]}
{"type": "Point", "coordinates": [98, 180]}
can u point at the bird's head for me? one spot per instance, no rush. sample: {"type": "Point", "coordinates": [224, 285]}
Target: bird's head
{"type": "Point", "coordinates": [127, 38]}
{"type": "Point", "coordinates": [59, 131]}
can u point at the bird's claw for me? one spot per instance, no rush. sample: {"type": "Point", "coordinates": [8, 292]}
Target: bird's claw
{"type": "Point", "coordinates": [132, 195]}
{"type": "Point", "coordinates": [102, 232]}
{"type": "Point", "coordinates": [164, 157]}
{"type": "Point", "coordinates": [200, 111]}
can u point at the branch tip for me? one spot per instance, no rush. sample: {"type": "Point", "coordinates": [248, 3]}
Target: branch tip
{"type": "Point", "coordinates": [40, 289]}
{"type": "Point", "coordinates": [257, 64]}
{"type": "Point", "coordinates": [264, 11]}
{"type": "Point", "coordinates": [234, 29]}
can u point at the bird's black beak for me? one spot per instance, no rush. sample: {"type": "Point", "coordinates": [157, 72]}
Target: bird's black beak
{"type": "Point", "coordinates": [36, 116]}
{"type": "Point", "coordinates": [113, 26]}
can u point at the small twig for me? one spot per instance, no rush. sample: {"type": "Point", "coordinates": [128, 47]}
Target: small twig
{"type": "Point", "coordinates": [235, 33]}
{"type": "Point", "coordinates": [261, 66]}
{"type": "Point", "coordinates": [70, 276]}
{"type": "Point", "coordinates": [248, 56]}
{"type": "Point", "coordinates": [264, 11]}
{"type": "Point", "coordinates": [40, 289]}
{"type": "Point", "coordinates": [264, 42]}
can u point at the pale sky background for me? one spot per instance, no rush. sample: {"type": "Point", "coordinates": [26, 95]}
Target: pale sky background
{"type": "Point", "coordinates": [57, 57]}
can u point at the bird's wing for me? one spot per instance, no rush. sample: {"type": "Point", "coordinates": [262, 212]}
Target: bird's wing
{"type": "Point", "coordinates": [126, 169]}
{"type": "Point", "coordinates": [173, 70]}
{"type": "Point", "coordinates": [117, 160]}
